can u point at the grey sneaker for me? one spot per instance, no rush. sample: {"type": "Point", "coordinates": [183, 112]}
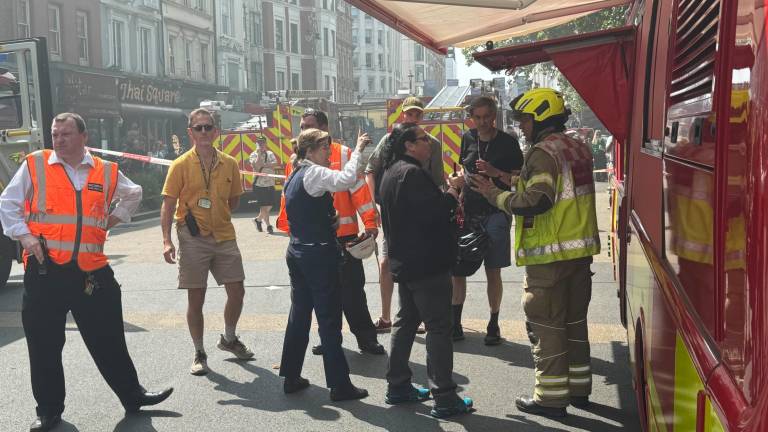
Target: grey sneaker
{"type": "Point", "coordinates": [235, 347]}
{"type": "Point", "coordinates": [199, 364]}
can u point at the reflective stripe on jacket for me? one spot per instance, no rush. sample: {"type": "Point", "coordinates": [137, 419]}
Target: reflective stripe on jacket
{"type": "Point", "coordinates": [73, 223]}
{"type": "Point", "coordinates": [356, 200]}
{"type": "Point", "coordinates": [569, 229]}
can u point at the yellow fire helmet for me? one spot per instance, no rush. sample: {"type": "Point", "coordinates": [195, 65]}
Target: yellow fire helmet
{"type": "Point", "coordinates": [541, 103]}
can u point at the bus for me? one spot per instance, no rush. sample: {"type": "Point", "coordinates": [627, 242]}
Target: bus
{"type": "Point", "coordinates": [684, 93]}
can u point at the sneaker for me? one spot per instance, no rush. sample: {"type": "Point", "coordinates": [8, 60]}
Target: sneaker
{"type": "Point", "coordinates": [493, 336]}
{"type": "Point", "coordinates": [270, 230]}
{"type": "Point", "coordinates": [199, 364]}
{"type": "Point", "coordinates": [463, 406]}
{"type": "Point", "coordinates": [258, 225]}
{"type": "Point", "coordinates": [417, 394]}
{"type": "Point", "coordinates": [235, 347]}
{"type": "Point", "coordinates": [580, 401]}
{"type": "Point", "coordinates": [458, 333]}
{"type": "Point", "coordinates": [421, 329]}
{"type": "Point", "coordinates": [383, 326]}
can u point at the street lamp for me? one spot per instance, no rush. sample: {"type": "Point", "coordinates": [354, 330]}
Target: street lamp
{"type": "Point", "coordinates": [410, 82]}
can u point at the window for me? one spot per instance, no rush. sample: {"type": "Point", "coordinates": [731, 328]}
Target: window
{"type": "Point", "coordinates": [355, 61]}
{"type": "Point", "coordinates": [354, 41]}
{"type": "Point", "coordinates": [280, 80]}
{"type": "Point", "coordinates": [333, 43]}
{"type": "Point", "coordinates": [371, 85]}
{"type": "Point", "coordinates": [419, 53]}
{"type": "Point", "coordinates": [233, 75]}
{"type": "Point", "coordinates": [118, 45]}
{"type": "Point", "coordinates": [23, 19]}
{"type": "Point", "coordinates": [419, 72]}
{"type": "Point", "coordinates": [325, 42]}
{"type": "Point", "coordinates": [383, 85]}
{"type": "Point", "coordinates": [294, 38]}
{"type": "Point", "coordinates": [368, 35]}
{"type": "Point", "coordinates": [145, 47]}
{"type": "Point", "coordinates": [204, 61]}
{"type": "Point", "coordinates": [381, 38]}
{"type": "Point", "coordinates": [333, 79]}
{"type": "Point", "coordinates": [81, 28]}
{"type": "Point", "coordinates": [54, 30]}
{"type": "Point", "coordinates": [355, 12]}
{"type": "Point", "coordinates": [172, 54]}
{"type": "Point", "coordinates": [227, 17]}
{"type": "Point", "coordinates": [279, 35]}
{"type": "Point", "coordinates": [188, 57]}
{"type": "Point", "coordinates": [325, 4]}
{"type": "Point", "coordinates": [256, 78]}
{"type": "Point", "coordinates": [200, 5]}
{"type": "Point", "coordinates": [368, 60]}
{"type": "Point", "coordinates": [295, 85]}
{"type": "Point", "coordinates": [255, 33]}
{"type": "Point", "coordinates": [381, 61]}
{"type": "Point", "coordinates": [327, 82]}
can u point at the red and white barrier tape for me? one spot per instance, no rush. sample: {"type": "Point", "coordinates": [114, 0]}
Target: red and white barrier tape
{"type": "Point", "coordinates": [167, 162]}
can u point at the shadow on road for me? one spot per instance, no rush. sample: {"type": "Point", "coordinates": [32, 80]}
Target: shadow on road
{"type": "Point", "coordinates": [375, 366]}
{"type": "Point", "coordinates": [142, 421]}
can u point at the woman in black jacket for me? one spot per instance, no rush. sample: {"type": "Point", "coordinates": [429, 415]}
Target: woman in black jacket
{"type": "Point", "coordinates": [422, 249]}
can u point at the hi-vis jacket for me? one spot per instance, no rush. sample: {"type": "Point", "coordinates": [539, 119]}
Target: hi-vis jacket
{"type": "Point", "coordinates": [73, 223]}
{"type": "Point", "coordinates": [567, 230]}
{"type": "Point", "coordinates": [357, 200]}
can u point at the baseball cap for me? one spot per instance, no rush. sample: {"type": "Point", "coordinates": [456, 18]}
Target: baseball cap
{"type": "Point", "coordinates": [412, 102]}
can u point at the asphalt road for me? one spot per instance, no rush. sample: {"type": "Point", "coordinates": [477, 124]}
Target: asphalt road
{"type": "Point", "coordinates": [247, 396]}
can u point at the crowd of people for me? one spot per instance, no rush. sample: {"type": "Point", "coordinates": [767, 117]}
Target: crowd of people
{"type": "Point", "coordinates": [436, 232]}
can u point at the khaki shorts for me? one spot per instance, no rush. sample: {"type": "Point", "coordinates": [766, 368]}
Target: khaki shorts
{"type": "Point", "coordinates": [199, 255]}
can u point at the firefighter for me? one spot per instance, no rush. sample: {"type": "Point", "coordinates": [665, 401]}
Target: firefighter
{"type": "Point", "coordinates": [349, 203]}
{"type": "Point", "coordinates": [555, 238]}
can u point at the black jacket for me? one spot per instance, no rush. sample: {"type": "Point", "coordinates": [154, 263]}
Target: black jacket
{"type": "Point", "coordinates": [417, 219]}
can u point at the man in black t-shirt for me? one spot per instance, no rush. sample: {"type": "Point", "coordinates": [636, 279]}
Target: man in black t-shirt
{"type": "Point", "coordinates": [486, 151]}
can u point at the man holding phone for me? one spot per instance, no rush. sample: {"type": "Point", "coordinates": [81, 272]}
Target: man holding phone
{"type": "Point", "coordinates": [490, 153]}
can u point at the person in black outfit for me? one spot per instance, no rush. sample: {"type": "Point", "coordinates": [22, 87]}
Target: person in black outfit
{"type": "Point", "coordinates": [492, 153]}
{"type": "Point", "coordinates": [313, 259]}
{"type": "Point", "coordinates": [418, 228]}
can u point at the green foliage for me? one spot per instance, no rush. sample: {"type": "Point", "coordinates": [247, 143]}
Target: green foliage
{"type": "Point", "coordinates": [602, 20]}
{"type": "Point", "coordinates": [151, 180]}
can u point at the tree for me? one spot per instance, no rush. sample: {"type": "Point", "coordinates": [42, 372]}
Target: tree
{"type": "Point", "coordinates": [602, 20]}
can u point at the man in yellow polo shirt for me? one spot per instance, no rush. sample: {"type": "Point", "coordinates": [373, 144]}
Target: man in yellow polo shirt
{"type": "Point", "coordinates": [201, 190]}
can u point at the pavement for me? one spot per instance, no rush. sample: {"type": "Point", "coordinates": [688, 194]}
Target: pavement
{"type": "Point", "coordinates": [247, 396]}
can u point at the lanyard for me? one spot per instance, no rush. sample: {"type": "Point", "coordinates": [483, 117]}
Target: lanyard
{"type": "Point", "coordinates": [207, 178]}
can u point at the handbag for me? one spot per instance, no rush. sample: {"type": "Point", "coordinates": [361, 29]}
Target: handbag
{"type": "Point", "coordinates": [474, 245]}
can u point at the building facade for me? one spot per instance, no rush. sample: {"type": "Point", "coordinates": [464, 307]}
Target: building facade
{"type": "Point", "coordinates": [344, 91]}
{"type": "Point", "coordinates": [189, 40]}
{"type": "Point", "coordinates": [230, 27]}
{"type": "Point", "coordinates": [375, 58]}
{"type": "Point", "coordinates": [422, 70]}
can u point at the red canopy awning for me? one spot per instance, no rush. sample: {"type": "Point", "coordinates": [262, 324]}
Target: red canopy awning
{"type": "Point", "coordinates": [597, 64]}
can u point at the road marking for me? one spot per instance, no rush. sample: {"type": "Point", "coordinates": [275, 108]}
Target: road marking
{"type": "Point", "coordinates": [512, 330]}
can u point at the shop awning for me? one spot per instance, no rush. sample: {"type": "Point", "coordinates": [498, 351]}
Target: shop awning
{"type": "Point", "coordinates": [439, 24]}
{"type": "Point", "coordinates": [586, 60]}
{"type": "Point", "coordinates": [152, 110]}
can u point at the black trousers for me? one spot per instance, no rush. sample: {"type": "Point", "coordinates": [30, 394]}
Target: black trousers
{"type": "Point", "coordinates": [314, 273]}
{"type": "Point", "coordinates": [99, 317]}
{"type": "Point", "coordinates": [354, 302]}
{"type": "Point", "coordinates": [427, 300]}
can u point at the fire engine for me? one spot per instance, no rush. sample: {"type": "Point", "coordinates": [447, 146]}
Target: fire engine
{"type": "Point", "coordinates": [681, 92]}
{"type": "Point", "coordinates": [25, 118]}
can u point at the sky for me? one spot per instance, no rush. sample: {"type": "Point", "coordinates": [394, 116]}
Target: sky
{"type": "Point", "coordinates": [465, 73]}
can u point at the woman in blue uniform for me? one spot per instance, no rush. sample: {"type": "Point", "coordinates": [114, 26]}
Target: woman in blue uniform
{"type": "Point", "coordinates": [313, 259]}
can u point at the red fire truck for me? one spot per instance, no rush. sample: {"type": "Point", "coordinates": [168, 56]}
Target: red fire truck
{"type": "Point", "coordinates": [681, 89]}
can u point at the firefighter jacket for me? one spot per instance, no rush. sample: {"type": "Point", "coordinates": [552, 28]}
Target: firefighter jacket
{"type": "Point", "coordinates": [565, 227]}
{"type": "Point", "coordinates": [73, 223]}
{"type": "Point", "coordinates": [356, 200]}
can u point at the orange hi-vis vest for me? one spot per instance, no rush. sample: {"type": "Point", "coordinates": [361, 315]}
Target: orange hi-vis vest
{"type": "Point", "coordinates": [356, 200]}
{"type": "Point", "coordinates": [73, 223]}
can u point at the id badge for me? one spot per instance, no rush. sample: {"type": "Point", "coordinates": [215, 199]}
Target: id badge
{"type": "Point", "coordinates": [204, 203]}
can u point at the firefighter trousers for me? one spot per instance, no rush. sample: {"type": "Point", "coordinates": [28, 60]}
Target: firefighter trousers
{"type": "Point", "coordinates": [555, 301]}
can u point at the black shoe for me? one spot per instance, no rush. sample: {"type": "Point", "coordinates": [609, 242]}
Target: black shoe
{"type": "Point", "coordinates": [45, 423]}
{"type": "Point", "coordinates": [148, 398]}
{"type": "Point", "coordinates": [292, 385]}
{"type": "Point", "coordinates": [458, 333]}
{"type": "Point", "coordinates": [317, 350]}
{"type": "Point", "coordinates": [580, 401]}
{"type": "Point", "coordinates": [492, 336]}
{"type": "Point", "coordinates": [258, 225]}
{"type": "Point", "coordinates": [372, 347]}
{"type": "Point", "coordinates": [347, 392]}
{"type": "Point", "coordinates": [270, 230]}
{"type": "Point", "coordinates": [528, 405]}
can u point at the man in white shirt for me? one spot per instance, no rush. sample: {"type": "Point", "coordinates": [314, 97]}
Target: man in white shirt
{"type": "Point", "coordinates": [263, 161]}
{"type": "Point", "coordinates": [58, 206]}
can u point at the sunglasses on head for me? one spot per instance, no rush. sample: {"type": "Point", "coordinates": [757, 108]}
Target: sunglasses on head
{"type": "Point", "coordinates": [203, 127]}
{"type": "Point", "coordinates": [309, 112]}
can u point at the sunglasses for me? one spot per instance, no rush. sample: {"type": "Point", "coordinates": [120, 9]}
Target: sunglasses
{"type": "Point", "coordinates": [309, 112]}
{"type": "Point", "coordinates": [200, 128]}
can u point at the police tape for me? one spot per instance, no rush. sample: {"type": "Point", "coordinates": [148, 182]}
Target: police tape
{"type": "Point", "coordinates": [167, 162]}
